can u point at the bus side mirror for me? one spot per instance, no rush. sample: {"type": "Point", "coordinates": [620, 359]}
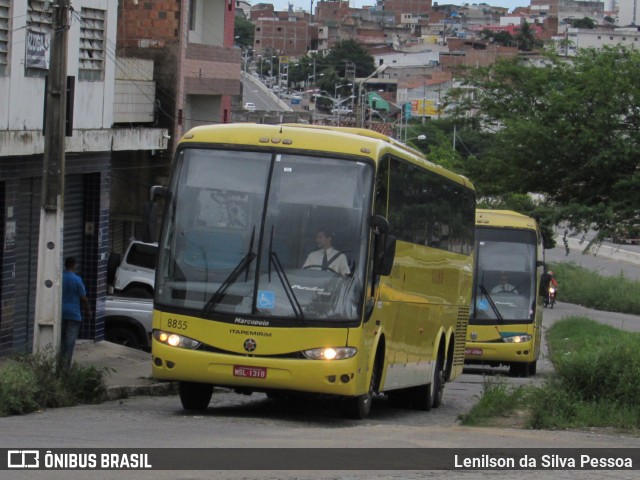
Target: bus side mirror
{"type": "Point", "coordinates": [384, 265]}
{"type": "Point", "coordinates": [384, 246]}
{"type": "Point", "coordinates": [150, 214]}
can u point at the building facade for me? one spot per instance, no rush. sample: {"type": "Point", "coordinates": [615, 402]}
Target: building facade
{"type": "Point", "coordinates": [92, 140]}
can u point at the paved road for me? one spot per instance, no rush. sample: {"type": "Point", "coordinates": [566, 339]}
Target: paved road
{"type": "Point", "coordinates": [256, 422]}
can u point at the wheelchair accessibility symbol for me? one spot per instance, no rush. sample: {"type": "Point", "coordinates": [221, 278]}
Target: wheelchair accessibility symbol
{"type": "Point", "coordinates": [266, 299]}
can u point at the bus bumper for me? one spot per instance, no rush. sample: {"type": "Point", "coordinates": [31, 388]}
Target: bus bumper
{"type": "Point", "coordinates": [499, 353]}
{"type": "Point", "coordinates": [332, 377]}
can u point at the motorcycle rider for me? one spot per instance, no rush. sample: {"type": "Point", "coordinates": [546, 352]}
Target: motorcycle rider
{"type": "Point", "coordinates": [548, 280]}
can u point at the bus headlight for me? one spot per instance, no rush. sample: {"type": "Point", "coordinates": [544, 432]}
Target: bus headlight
{"type": "Point", "coordinates": [330, 353]}
{"type": "Point", "coordinates": [175, 340]}
{"type": "Point", "coordinates": [517, 339]}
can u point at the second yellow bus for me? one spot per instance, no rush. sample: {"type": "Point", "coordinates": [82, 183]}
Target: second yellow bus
{"type": "Point", "coordinates": [505, 325]}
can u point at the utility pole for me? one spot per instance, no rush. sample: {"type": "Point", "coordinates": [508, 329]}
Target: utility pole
{"type": "Point", "coordinates": [47, 327]}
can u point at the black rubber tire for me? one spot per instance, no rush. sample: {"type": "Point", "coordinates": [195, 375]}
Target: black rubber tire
{"type": "Point", "coordinates": [138, 292]}
{"type": "Point", "coordinates": [519, 370]}
{"type": "Point", "coordinates": [359, 407]}
{"type": "Point", "coordinates": [426, 397]}
{"type": "Point", "coordinates": [122, 336]}
{"type": "Point", "coordinates": [195, 396]}
{"type": "Point", "coordinates": [112, 265]}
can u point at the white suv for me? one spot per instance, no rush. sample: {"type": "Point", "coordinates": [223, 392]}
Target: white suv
{"type": "Point", "coordinates": [135, 274]}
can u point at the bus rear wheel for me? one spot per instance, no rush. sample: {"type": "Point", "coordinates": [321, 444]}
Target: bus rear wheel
{"type": "Point", "coordinates": [429, 396]}
{"type": "Point", "coordinates": [195, 396]}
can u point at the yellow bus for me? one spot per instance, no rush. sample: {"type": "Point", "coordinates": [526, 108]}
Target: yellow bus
{"type": "Point", "coordinates": [505, 327]}
{"type": "Point", "coordinates": [245, 300]}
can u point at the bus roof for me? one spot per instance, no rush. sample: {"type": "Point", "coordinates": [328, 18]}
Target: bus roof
{"type": "Point", "coordinates": [504, 219]}
{"type": "Point", "coordinates": [315, 138]}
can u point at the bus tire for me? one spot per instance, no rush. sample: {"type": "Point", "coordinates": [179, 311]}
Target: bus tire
{"type": "Point", "coordinates": [359, 407]}
{"type": "Point", "coordinates": [195, 396]}
{"type": "Point", "coordinates": [436, 390]}
{"type": "Point", "coordinates": [425, 397]}
{"type": "Point", "coordinates": [519, 370]}
{"type": "Point", "coordinates": [533, 367]}
{"type": "Point", "coordinates": [122, 336]}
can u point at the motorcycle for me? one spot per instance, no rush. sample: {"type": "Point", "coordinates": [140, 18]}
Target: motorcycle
{"type": "Point", "coordinates": [550, 298]}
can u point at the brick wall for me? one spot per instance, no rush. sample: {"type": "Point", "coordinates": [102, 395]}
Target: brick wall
{"type": "Point", "coordinates": [150, 24]}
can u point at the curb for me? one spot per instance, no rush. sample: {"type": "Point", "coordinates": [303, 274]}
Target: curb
{"type": "Point", "coordinates": [153, 390]}
{"type": "Point", "coordinates": [604, 251]}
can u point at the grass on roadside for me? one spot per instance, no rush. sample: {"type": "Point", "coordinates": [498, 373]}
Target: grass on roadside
{"type": "Point", "coordinates": [590, 289]}
{"type": "Point", "coordinates": [596, 382]}
{"type": "Point", "coordinates": [33, 382]}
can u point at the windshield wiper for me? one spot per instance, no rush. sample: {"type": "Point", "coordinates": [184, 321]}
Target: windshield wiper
{"type": "Point", "coordinates": [282, 275]}
{"type": "Point", "coordinates": [491, 302]}
{"type": "Point", "coordinates": [242, 266]}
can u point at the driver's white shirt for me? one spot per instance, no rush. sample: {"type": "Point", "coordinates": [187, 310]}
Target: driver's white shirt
{"type": "Point", "coordinates": [504, 288]}
{"type": "Point", "coordinates": [339, 264]}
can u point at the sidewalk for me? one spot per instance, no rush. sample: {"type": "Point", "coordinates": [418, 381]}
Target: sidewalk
{"type": "Point", "coordinates": [625, 253]}
{"type": "Point", "coordinates": [128, 370]}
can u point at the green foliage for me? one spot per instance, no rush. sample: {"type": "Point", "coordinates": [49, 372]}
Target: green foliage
{"type": "Point", "coordinates": [526, 39]}
{"type": "Point", "coordinates": [567, 130]}
{"type": "Point", "coordinates": [596, 380]}
{"type": "Point", "coordinates": [32, 382]}
{"type": "Point", "coordinates": [498, 399]}
{"type": "Point", "coordinates": [502, 37]}
{"type": "Point", "coordinates": [18, 389]}
{"type": "Point", "coordinates": [243, 30]}
{"type": "Point", "coordinates": [585, 287]}
{"type": "Point", "coordinates": [584, 22]}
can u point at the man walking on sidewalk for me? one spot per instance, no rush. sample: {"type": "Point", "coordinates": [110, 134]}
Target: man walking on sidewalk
{"type": "Point", "coordinates": [74, 297]}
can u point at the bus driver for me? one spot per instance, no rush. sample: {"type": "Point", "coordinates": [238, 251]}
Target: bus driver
{"type": "Point", "coordinates": [327, 257]}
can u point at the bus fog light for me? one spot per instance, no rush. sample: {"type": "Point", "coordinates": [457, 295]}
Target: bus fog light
{"type": "Point", "coordinates": [345, 378]}
{"type": "Point", "coordinates": [330, 353]}
{"type": "Point", "coordinates": [517, 339]}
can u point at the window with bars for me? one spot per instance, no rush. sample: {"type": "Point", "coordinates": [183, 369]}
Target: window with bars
{"type": "Point", "coordinates": [4, 37]}
{"type": "Point", "coordinates": [39, 26]}
{"type": "Point", "coordinates": [92, 48]}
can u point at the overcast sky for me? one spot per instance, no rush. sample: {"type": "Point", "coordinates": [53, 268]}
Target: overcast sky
{"type": "Point", "coordinates": [306, 4]}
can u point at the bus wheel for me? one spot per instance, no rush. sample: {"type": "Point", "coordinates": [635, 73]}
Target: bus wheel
{"type": "Point", "coordinates": [428, 396]}
{"type": "Point", "coordinates": [519, 370]}
{"type": "Point", "coordinates": [359, 407]}
{"type": "Point", "coordinates": [195, 396]}
{"type": "Point", "coordinates": [533, 367]}
{"type": "Point", "coordinates": [437, 387]}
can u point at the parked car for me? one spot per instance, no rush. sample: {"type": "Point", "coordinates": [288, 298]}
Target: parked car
{"type": "Point", "coordinates": [128, 321]}
{"type": "Point", "coordinates": [134, 274]}
{"type": "Point", "coordinates": [342, 111]}
{"type": "Point", "coordinates": [251, 107]}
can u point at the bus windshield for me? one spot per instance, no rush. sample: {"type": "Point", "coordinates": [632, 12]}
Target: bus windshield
{"type": "Point", "coordinates": [505, 282]}
{"type": "Point", "coordinates": [245, 233]}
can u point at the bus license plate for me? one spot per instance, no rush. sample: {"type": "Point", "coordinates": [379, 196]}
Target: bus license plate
{"type": "Point", "coordinates": [473, 351]}
{"type": "Point", "coordinates": [249, 372]}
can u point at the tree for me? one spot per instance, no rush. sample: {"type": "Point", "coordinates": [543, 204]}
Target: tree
{"type": "Point", "coordinates": [569, 131]}
{"type": "Point", "coordinates": [349, 51]}
{"type": "Point", "coordinates": [243, 31]}
{"type": "Point", "coordinates": [501, 37]}
{"type": "Point", "coordinates": [585, 22]}
{"type": "Point", "coordinates": [526, 38]}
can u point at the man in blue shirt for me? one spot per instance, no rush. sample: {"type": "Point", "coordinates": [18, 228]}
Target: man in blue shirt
{"type": "Point", "coordinates": [74, 297]}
